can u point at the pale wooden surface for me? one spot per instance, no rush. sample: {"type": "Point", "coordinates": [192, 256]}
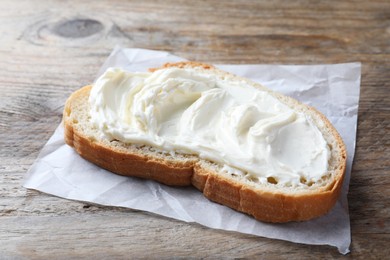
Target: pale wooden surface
{"type": "Point", "coordinates": [50, 48]}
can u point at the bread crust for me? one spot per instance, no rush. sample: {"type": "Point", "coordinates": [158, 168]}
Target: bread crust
{"type": "Point", "coordinates": [263, 202]}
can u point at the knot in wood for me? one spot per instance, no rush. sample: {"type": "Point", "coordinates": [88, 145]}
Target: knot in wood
{"type": "Point", "coordinates": [78, 28]}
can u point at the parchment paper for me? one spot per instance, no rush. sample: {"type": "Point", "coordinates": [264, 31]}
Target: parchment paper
{"type": "Point", "coordinates": [332, 89]}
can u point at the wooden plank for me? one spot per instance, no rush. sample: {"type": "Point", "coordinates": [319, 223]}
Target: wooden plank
{"type": "Point", "coordinates": [49, 49]}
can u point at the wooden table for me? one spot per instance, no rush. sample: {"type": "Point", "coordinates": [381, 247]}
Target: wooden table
{"type": "Point", "coordinates": [50, 48]}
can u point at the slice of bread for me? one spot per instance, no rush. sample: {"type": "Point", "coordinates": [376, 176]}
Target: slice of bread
{"type": "Point", "coordinates": [269, 202]}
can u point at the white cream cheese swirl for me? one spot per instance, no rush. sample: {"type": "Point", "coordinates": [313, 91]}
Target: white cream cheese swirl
{"type": "Point", "coordinates": [230, 122]}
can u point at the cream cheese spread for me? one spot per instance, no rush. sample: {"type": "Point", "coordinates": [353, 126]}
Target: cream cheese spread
{"type": "Point", "coordinates": [245, 129]}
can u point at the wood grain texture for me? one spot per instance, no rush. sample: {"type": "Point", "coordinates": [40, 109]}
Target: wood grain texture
{"type": "Point", "coordinates": [50, 48]}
